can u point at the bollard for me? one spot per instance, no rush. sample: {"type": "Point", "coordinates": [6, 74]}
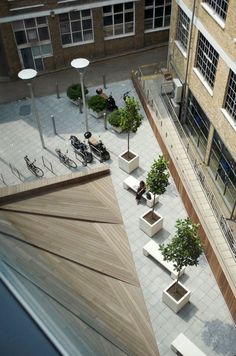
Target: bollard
{"type": "Point", "coordinates": [104, 81]}
{"type": "Point", "coordinates": [54, 124]}
{"type": "Point", "coordinates": [80, 105]}
{"type": "Point", "coordinates": [57, 90]}
{"type": "Point", "coordinates": [105, 120]}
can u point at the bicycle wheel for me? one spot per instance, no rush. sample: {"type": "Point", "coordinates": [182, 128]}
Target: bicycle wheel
{"type": "Point", "coordinates": [38, 172]}
{"type": "Point", "coordinates": [71, 163]}
{"type": "Point", "coordinates": [88, 156]}
{"type": "Point", "coordinates": [106, 156]}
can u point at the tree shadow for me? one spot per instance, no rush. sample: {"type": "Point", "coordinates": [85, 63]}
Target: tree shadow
{"type": "Point", "coordinates": [220, 336]}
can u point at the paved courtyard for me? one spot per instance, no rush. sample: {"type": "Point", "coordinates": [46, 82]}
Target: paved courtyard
{"type": "Point", "coordinates": [205, 320]}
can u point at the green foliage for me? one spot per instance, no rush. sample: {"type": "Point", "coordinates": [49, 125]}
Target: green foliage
{"type": "Point", "coordinates": [131, 119]}
{"type": "Point", "coordinates": [97, 103]}
{"type": "Point", "coordinates": [74, 91]}
{"type": "Point", "coordinates": [185, 247]}
{"type": "Point", "coordinates": [114, 118]}
{"type": "Point", "coordinates": [157, 178]}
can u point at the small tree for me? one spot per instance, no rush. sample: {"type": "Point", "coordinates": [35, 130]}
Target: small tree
{"type": "Point", "coordinates": [130, 118]}
{"type": "Point", "coordinates": [74, 91]}
{"type": "Point", "coordinates": [157, 178]}
{"type": "Point", "coordinates": [185, 247]}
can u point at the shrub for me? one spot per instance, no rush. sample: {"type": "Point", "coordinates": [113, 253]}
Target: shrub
{"type": "Point", "coordinates": [114, 118]}
{"type": "Point", "coordinates": [74, 91]}
{"type": "Point", "coordinates": [97, 103]}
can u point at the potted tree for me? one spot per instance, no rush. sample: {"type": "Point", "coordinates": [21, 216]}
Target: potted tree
{"type": "Point", "coordinates": [130, 120]}
{"type": "Point", "coordinates": [114, 120]}
{"type": "Point", "coordinates": [97, 104]}
{"type": "Point", "coordinates": [157, 181]}
{"type": "Point", "coordinates": [74, 93]}
{"type": "Point", "coordinates": [184, 250]}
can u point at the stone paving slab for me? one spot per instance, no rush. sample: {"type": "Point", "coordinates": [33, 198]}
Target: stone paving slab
{"type": "Point", "coordinates": [205, 320]}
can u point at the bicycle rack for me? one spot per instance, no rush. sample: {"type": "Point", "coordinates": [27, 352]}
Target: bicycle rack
{"type": "Point", "coordinates": [45, 165]}
{"type": "Point", "coordinates": [16, 173]}
{"type": "Point", "coordinates": [2, 179]}
{"type": "Point", "coordinates": [99, 154]}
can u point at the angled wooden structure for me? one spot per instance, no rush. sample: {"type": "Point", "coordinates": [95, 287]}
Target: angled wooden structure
{"type": "Point", "coordinates": [63, 239]}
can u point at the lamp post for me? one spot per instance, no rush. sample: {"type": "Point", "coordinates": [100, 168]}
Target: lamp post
{"type": "Point", "coordinates": [27, 75]}
{"type": "Point", "coordinates": [81, 64]}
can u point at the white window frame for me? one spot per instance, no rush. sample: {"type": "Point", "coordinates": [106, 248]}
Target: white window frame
{"type": "Point", "coordinates": [182, 30]}
{"type": "Point", "coordinates": [123, 12]}
{"type": "Point", "coordinates": [70, 21]}
{"type": "Point", "coordinates": [231, 108]}
{"type": "Point", "coordinates": [153, 7]}
{"type": "Point", "coordinates": [211, 10]}
{"type": "Point", "coordinates": [205, 65]}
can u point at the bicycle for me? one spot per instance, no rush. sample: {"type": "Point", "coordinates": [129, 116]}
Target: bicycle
{"type": "Point", "coordinates": [68, 162]}
{"type": "Point", "coordinates": [38, 172]}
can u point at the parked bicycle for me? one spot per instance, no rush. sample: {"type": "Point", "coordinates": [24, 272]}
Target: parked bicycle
{"type": "Point", "coordinates": [68, 162]}
{"type": "Point", "coordinates": [38, 172]}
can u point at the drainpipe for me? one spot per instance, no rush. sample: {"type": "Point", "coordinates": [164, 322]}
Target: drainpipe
{"type": "Point", "coordinates": [184, 108]}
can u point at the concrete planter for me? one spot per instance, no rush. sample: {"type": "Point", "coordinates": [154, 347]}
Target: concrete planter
{"type": "Point", "coordinates": [172, 303]}
{"type": "Point", "coordinates": [97, 115]}
{"type": "Point", "coordinates": [150, 229]}
{"type": "Point", "coordinates": [128, 166]}
{"type": "Point", "coordinates": [116, 128]}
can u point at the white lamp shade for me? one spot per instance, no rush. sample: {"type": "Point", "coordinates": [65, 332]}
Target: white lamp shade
{"type": "Point", "coordinates": [27, 74]}
{"type": "Point", "coordinates": [80, 63]}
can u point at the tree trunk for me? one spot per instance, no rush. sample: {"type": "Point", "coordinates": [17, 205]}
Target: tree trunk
{"type": "Point", "coordinates": [177, 280]}
{"type": "Point", "coordinates": [128, 143]}
{"type": "Point", "coordinates": [153, 205]}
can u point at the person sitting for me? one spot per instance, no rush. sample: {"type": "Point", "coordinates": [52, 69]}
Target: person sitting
{"type": "Point", "coordinates": [100, 92]}
{"type": "Point", "coordinates": [141, 190]}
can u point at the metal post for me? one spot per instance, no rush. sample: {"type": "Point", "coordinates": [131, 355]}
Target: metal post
{"type": "Point", "coordinates": [54, 124]}
{"type": "Point", "coordinates": [84, 102]}
{"type": "Point", "coordinates": [105, 120]}
{"type": "Point", "coordinates": [57, 90]}
{"type": "Point", "coordinates": [36, 115]}
{"type": "Point", "coordinates": [80, 105]}
{"type": "Point", "coordinates": [104, 81]}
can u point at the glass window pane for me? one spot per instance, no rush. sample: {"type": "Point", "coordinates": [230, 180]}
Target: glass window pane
{"type": "Point", "coordinates": [107, 21]}
{"type": "Point", "coordinates": [148, 13]}
{"type": "Point", "coordinates": [43, 33]}
{"type": "Point", "coordinates": [66, 39]}
{"type": "Point", "coordinates": [106, 9]}
{"type": "Point", "coordinates": [148, 2]}
{"type": "Point", "coordinates": [65, 27]}
{"type": "Point", "coordinates": [30, 23]}
{"type": "Point", "coordinates": [85, 13]}
{"type": "Point", "coordinates": [118, 29]}
{"type": "Point", "coordinates": [41, 20]}
{"type": "Point", "coordinates": [148, 24]}
{"type": "Point", "coordinates": [129, 17]}
{"type": "Point", "coordinates": [77, 37]}
{"type": "Point", "coordinates": [87, 24]}
{"type": "Point", "coordinates": [39, 64]}
{"type": "Point", "coordinates": [32, 35]}
{"type": "Point", "coordinates": [159, 11]}
{"type": "Point", "coordinates": [75, 15]}
{"type": "Point", "coordinates": [18, 25]}
{"type": "Point", "coordinates": [118, 19]}
{"type": "Point", "coordinates": [76, 26]}
{"type": "Point", "coordinates": [129, 5]}
{"type": "Point", "coordinates": [158, 22]}
{"type": "Point", "coordinates": [129, 27]}
{"type": "Point", "coordinates": [108, 31]}
{"type": "Point", "coordinates": [20, 37]}
{"type": "Point", "coordinates": [46, 49]}
{"type": "Point", "coordinates": [88, 35]}
{"type": "Point", "coordinates": [118, 8]}
{"type": "Point", "coordinates": [64, 17]}
{"type": "Point", "coordinates": [36, 51]}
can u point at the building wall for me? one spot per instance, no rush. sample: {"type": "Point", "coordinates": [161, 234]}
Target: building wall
{"type": "Point", "coordinates": [62, 57]}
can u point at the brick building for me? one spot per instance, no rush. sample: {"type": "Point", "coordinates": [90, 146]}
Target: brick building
{"type": "Point", "coordinates": [47, 35]}
{"type": "Point", "coordinates": [202, 54]}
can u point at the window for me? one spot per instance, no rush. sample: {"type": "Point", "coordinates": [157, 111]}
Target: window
{"type": "Point", "coordinates": [207, 59]}
{"type": "Point", "coordinates": [182, 29]}
{"type": "Point", "coordinates": [76, 27]}
{"type": "Point", "coordinates": [230, 100]}
{"type": "Point", "coordinates": [118, 20]}
{"type": "Point", "coordinates": [220, 7]}
{"type": "Point", "coordinates": [33, 41]}
{"type": "Point", "coordinates": [157, 14]}
{"type": "Point", "coordinates": [31, 30]}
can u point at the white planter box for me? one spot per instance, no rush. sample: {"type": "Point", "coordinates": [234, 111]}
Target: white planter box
{"type": "Point", "coordinates": [128, 166]}
{"type": "Point", "coordinates": [97, 115]}
{"type": "Point", "coordinates": [149, 229]}
{"type": "Point", "coordinates": [116, 128]}
{"type": "Point", "coordinates": [175, 305]}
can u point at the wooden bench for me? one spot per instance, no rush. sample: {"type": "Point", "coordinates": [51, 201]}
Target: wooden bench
{"type": "Point", "coordinates": [152, 249]}
{"type": "Point", "coordinates": [133, 183]}
{"type": "Point", "coordinates": [183, 346]}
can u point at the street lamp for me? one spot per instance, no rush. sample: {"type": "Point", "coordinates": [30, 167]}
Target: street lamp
{"type": "Point", "coordinates": [27, 75]}
{"type": "Point", "coordinates": [81, 64]}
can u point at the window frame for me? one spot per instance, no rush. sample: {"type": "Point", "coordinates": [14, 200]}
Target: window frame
{"type": "Point", "coordinates": [154, 6]}
{"type": "Point", "coordinates": [181, 32]}
{"type": "Point", "coordinates": [231, 86]}
{"type": "Point", "coordinates": [214, 13]}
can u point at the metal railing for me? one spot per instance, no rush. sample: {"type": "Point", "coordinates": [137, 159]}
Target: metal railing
{"type": "Point", "coordinates": [191, 155]}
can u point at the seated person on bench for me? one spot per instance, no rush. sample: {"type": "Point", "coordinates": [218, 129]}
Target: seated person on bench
{"type": "Point", "coordinates": [141, 190]}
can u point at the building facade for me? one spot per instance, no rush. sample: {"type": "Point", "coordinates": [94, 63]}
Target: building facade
{"type": "Point", "coordinates": [47, 35]}
{"type": "Point", "coordinates": [202, 54]}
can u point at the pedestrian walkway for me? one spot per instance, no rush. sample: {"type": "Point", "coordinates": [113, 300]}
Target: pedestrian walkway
{"type": "Point", "coordinates": [205, 320]}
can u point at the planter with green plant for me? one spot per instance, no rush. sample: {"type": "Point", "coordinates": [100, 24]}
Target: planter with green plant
{"type": "Point", "coordinates": [130, 121]}
{"type": "Point", "coordinates": [114, 120]}
{"type": "Point", "coordinates": [74, 93]}
{"type": "Point", "coordinates": [184, 250]}
{"type": "Point", "coordinates": [97, 105]}
{"type": "Point", "coordinates": [157, 181]}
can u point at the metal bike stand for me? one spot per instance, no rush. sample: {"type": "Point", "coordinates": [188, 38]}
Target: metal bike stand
{"type": "Point", "coordinates": [16, 172]}
{"type": "Point", "coordinates": [2, 179]}
{"type": "Point", "coordinates": [49, 168]}
{"type": "Point", "coordinates": [84, 162]}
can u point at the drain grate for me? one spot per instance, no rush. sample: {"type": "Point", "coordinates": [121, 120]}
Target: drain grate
{"type": "Point", "coordinates": [25, 110]}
